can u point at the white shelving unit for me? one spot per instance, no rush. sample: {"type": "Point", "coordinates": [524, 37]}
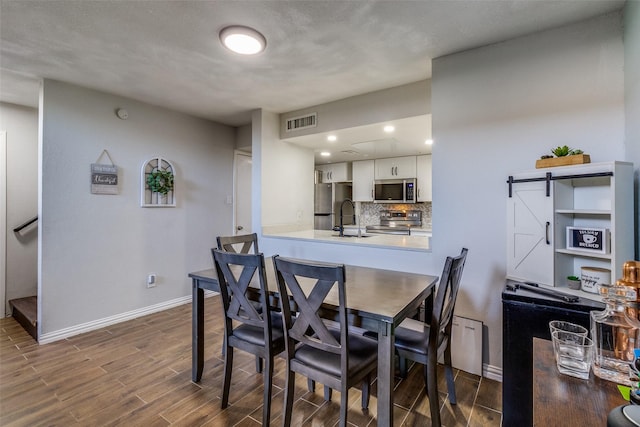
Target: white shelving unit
{"type": "Point", "coordinates": [544, 202]}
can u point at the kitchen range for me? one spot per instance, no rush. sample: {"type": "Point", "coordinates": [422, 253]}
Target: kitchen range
{"type": "Point", "coordinates": [396, 222]}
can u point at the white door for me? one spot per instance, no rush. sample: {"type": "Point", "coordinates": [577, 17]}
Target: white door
{"type": "Point", "coordinates": [3, 221]}
{"type": "Point", "coordinates": [242, 193]}
{"type": "Point", "coordinates": [530, 233]}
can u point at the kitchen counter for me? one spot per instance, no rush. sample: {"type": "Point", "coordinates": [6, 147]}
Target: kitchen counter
{"type": "Point", "coordinates": [389, 241]}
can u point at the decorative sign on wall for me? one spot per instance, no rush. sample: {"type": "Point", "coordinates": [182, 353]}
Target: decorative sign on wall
{"type": "Point", "coordinates": [104, 177]}
{"type": "Point", "coordinates": [157, 184]}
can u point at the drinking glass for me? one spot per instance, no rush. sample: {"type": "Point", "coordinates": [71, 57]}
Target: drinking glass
{"type": "Point", "coordinates": [560, 325]}
{"type": "Point", "coordinates": [574, 353]}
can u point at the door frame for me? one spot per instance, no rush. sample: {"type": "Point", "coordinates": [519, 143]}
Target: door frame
{"type": "Point", "coordinates": [3, 222]}
{"type": "Point", "coordinates": [235, 189]}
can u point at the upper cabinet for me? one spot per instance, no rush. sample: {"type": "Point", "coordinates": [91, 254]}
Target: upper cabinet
{"type": "Point", "coordinates": [423, 177]}
{"type": "Point", "coordinates": [548, 208]}
{"type": "Point", "coordinates": [363, 176]}
{"type": "Point", "coordinates": [335, 172]}
{"type": "Point", "coordinates": [396, 168]}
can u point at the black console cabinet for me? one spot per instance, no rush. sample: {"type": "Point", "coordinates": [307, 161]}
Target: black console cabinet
{"type": "Point", "coordinates": [526, 315]}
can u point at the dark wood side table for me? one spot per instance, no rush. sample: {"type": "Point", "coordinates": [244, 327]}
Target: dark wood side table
{"type": "Point", "coordinates": [564, 400]}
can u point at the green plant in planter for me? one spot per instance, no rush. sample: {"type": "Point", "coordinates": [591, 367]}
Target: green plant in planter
{"type": "Point", "coordinates": [573, 278]}
{"type": "Point", "coordinates": [565, 151]}
{"type": "Point", "coordinates": [160, 181]}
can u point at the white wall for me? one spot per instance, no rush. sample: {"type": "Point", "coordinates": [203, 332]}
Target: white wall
{"type": "Point", "coordinates": [96, 250]}
{"type": "Point", "coordinates": [410, 100]}
{"type": "Point", "coordinates": [632, 97]}
{"type": "Point", "coordinates": [21, 124]}
{"type": "Point", "coordinates": [496, 109]}
{"type": "Point", "coordinates": [286, 180]}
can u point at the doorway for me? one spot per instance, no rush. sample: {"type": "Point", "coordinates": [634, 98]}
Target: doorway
{"type": "Point", "coordinates": [242, 193]}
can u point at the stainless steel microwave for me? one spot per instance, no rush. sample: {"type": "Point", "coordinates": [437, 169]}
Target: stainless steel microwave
{"type": "Point", "coordinates": [394, 191]}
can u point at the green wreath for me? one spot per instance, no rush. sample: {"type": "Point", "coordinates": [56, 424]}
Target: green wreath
{"type": "Point", "coordinates": [160, 181]}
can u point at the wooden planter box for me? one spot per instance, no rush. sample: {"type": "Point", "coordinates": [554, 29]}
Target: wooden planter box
{"type": "Point", "coordinates": [576, 159]}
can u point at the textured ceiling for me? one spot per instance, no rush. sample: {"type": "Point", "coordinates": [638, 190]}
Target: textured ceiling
{"type": "Point", "coordinates": [167, 52]}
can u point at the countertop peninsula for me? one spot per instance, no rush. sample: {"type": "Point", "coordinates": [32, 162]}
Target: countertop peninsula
{"type": "Point", "coordinates": [388, 241]}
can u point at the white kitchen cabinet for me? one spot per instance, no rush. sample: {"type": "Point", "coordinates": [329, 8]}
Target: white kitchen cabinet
{"type": "Point", "coordinates": [335, 172]}
{"type": "Point", "coordinates": [423, 178]}
{"type": "Point", "coordinates": [597, 195]}
{"type": "Point", "coordinates": [363, 173]}
{"type": "Point", "coordinates": [396, 168]}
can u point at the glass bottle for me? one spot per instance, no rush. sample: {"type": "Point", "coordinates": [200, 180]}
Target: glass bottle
{"type": "Point", "coordinates": [615, 335]}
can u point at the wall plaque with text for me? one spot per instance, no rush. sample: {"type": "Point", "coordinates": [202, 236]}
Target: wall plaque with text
{"type": "Point", "coordinates": [104, 179]}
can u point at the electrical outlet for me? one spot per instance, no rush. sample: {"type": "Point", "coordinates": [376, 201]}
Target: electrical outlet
{"type": "Point", "coordinates": [151, 280]}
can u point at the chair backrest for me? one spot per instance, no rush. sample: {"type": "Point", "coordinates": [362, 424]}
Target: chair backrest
{"type": "Point", "coordinates": [235, 274]}
{"type": "Point", "coordinates": [307, 326]}
{"type": "Point", "coordinates": [232, 243]}
{"type": "Point", "coordinates": [442, 316]}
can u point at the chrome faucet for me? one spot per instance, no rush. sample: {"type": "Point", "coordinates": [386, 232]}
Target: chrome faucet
{"type": "Point", "coordinates": [354, 215]}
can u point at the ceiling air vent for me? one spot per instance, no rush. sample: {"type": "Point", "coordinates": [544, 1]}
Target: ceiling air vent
{"type": "Point", "coordinates": [302, 122]}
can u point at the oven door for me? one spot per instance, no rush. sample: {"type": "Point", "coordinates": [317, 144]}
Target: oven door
{"type": "Point", "coordinates": [383, 229]}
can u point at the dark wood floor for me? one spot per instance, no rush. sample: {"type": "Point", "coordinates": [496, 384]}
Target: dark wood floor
{"type": "Point", "coordinates": [138, 373]}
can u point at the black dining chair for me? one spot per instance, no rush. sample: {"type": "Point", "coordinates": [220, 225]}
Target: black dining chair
{"type": "Point", "coordinates": [258, 333]}
{"type": "Point", "coordinates": [424, 342]}
{"type": "Point", "coordinates": [241, 243]}
{"type": "Point", "coordinates": [314, 348]}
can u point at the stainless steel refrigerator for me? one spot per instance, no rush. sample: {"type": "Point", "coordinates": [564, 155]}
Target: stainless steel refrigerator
{"type": "Point", "coordinates": [323, 205]}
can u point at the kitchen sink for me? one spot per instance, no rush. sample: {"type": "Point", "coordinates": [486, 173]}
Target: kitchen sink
{"type": "Point", "coordinates": [349, 235]}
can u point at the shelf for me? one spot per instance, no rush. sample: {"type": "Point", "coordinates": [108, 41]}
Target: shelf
{"type": "Point", "coordinates": [583, 254]}
{"type": "Point", "coordinates": [583, 211]}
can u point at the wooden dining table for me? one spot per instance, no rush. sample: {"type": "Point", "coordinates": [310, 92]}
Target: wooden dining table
{"type": "Point", "coordinates": [377, 300]}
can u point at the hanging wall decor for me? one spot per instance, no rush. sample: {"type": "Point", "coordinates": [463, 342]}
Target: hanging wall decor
{"type": "Point", "coordinates": [104, 178]}
{"type": "Point", "coordinates": [157, 184]}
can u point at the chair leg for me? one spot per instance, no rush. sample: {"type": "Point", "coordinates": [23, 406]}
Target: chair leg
{"type": "Point", "coordinates": [403, 366]}
{"type": "Point", "coordinates": [366, 387]}
{"type": "Point", "coordinates": [268, 376]}
{"type": "Point", "coordinates": [258, 365]}
{"type": "Point", "coordinates": [344, 403]}
{"type": "Point", "coordinates": [311, 385]}
{"type": "Point", "coordinates": [449, 374]}
{"type": "Point", "coordinates": [228, 368]}
{"type": "Point", "coordinates": [432, 388]}
{"type": "Point", "coordinates": [289, 390]}
{"type": "Point", "coordinates": [327, 393]}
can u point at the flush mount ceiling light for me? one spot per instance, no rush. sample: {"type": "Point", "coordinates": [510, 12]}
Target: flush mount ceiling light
{"type": "Point", "coordinates": [389, 129]}
{"type": "Point", "coordinates": [242, 40]}
{"type": "Point", "coordinates": [325, 154]}
{"type": "Point", "coordinates": [429, 141]}
{"type": "Point", "coordinates": [332, 138]}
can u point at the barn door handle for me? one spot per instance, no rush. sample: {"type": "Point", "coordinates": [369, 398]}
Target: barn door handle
{"type": "Point", "coordinates": [546, 232]}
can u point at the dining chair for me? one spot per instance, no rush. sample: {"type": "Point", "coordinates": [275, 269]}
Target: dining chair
{"type": "Point", "coordinates": [243, 244]}
{"type": "Point", "coordinates": [424, 342]}
{"type": "Point", "coordinates": [314, 347]}
{"type": "Point", "coordinates": [232, 243]}
{"type": "Point", "coordinates": [258, 333]}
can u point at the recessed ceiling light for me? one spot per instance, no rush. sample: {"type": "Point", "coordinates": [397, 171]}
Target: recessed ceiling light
{"type": "Point", "coordinates": [325, 154]}
{"type": "Point", "coordinates": [389, 129]}
{"type": "Point", "coordinates": [242, 40]}
{"type": "Point", "coordinates": [429, 141]}
{"type": "Point", "coordinates": [332, 138]}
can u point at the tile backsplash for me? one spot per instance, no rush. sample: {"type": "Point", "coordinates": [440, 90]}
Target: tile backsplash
{"type": "Point", "coordinates": [370, 212]}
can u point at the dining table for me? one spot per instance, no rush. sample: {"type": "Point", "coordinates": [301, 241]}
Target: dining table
{"type": "Point", "coordinates": [377, 300]}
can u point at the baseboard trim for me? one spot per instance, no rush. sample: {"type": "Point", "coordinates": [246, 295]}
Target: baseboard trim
{"type": "Point", "coordinates": [492, 372]}
{"type": "Point", "coordinates": [107, 321]}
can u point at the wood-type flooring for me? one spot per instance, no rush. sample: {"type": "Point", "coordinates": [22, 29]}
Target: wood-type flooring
{"type": "Point", "coordinates": [138, 373]}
